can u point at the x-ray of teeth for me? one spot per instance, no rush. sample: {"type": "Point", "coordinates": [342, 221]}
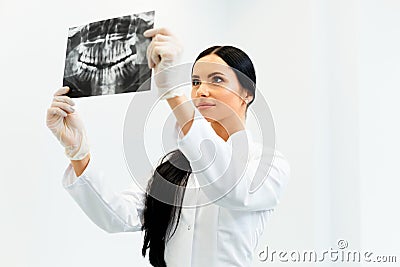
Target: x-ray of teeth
{"type": "Point", "coordinates": [108, 57]}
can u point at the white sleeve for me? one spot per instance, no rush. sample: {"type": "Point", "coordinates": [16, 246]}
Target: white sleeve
{"type": "Point", "coordinates": [112, 212]}
{"type": "Point", "coordinates": [225, 171]}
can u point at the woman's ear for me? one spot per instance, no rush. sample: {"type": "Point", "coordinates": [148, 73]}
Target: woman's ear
{"type": "Point", "coordinates": [244, 93]}
{"type": "Point", "coordinates": [247, 96]}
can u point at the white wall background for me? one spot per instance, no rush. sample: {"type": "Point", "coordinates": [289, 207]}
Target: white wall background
{"type": "Point", "coordinates": [328, 69]}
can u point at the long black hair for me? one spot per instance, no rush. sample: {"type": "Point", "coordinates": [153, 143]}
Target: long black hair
{"type": "Point", "coordinates": [160, 216]}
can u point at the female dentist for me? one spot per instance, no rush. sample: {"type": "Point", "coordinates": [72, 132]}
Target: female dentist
{"type": "Point", "coordinates": [210, 216]}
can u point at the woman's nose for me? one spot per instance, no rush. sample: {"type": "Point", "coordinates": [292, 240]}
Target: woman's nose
{"type": "Point", "coordinates": [202, 90]}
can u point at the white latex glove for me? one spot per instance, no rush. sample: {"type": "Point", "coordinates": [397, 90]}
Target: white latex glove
{"type": "Point", "coordinates": [67, 126]}
{"type": "Point", "coordinates": [163, 54]}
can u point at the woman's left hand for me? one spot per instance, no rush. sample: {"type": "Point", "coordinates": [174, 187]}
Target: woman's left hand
{"type": "Point", "coordinates": [164, 52]}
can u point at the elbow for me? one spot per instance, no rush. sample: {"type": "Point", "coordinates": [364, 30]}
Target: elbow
{"type": "Point", "coordinates": [120, 229]}
{"type": "Point", "coordinates": [269, 202]}
{"type": "Point", "coordinates": [284, 169]}
{"type": "Point", "coordinates": [117, 226]}
{"type": "Point", "coordinates": [251, 201]}
{"type": "Point", "coordinates": [267, 196]}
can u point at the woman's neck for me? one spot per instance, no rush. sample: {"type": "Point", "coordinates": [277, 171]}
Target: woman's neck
{"type": "Point", "coordinates": [228, 126]}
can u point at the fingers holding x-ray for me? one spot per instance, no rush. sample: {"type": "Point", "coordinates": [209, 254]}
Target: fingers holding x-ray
{"type": "Point", "coordinates": [55, 111]}
{"type": "Point", "coordinates": [61, 103]}
{"type": "Point", "coordinates": [64, 106]}
{"type": "Point", "coordinates": [61, 91]}
{"type": "Point", "coordinates": [64, 99]}
{"type": "Point", "coordinates": [163, 47]}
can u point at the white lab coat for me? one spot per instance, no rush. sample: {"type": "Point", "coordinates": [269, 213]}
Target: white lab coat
{"type": "Point", "coordinates": [222, 233]}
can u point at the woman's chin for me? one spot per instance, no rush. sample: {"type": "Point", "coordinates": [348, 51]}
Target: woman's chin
{"type": "Point", "coordinates": [209, 119]}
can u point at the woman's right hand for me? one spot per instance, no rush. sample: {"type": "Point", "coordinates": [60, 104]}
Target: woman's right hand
{"type": "Point", "coordinates": [66, 125]}
{"type": "Point", "coordinates": [164, 54]}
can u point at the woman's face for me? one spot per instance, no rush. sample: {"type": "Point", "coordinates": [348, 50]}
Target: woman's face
{"type": "Point", "coordinates": [215, 84]}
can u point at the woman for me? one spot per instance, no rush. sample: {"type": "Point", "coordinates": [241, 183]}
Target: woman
{"type": "Point", "coordinates": [179, 231]}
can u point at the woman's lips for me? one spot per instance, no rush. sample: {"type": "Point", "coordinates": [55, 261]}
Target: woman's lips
{"type": "Point", "coordinates": [205, 106]}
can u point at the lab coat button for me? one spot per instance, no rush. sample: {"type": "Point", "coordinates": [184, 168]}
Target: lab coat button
{"type": "Point", "coordinates": [189, 227]}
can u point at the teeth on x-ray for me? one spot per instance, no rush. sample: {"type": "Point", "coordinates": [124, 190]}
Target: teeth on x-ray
{"type": "Point", "coordinates": [108, 57]}
{"type": "Point", "coordinates": [117, 60]}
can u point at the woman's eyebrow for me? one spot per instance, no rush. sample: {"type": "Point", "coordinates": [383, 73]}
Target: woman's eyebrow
{"type": "Point", "coordinates": [214, 73]}
{"type": "Point", "coordinates": [209, 75]}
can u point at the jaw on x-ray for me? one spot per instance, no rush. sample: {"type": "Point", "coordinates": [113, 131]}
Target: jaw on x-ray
{"type": "Point", "coordinates": [108, 57]}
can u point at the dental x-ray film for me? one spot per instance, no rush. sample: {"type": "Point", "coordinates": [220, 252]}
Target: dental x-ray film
{"type": "Point", "coordinates": [108, 57]}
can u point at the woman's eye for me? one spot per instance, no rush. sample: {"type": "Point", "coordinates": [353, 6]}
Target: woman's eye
{"type": "Point", "coordinates": [195, 82]}
{"type": "Point", "coordinates": [217, 79]}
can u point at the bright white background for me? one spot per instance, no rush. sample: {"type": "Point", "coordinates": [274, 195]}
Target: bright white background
{"type": "Point", "coordinates": [328, 69]}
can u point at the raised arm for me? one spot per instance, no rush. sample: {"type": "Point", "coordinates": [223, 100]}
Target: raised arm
{"type": "Point", "coordinates": [163, 54]}
{"type": "Point", "coordinates": [80, 165]}
{"type": "Point", "coordinates": [113, 212]}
